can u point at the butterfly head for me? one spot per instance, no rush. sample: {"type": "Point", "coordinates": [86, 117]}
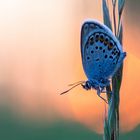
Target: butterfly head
{"type": "Point", "coordinates": [98, 85]}
{"type": "Point", "coordinates": [90, 84]}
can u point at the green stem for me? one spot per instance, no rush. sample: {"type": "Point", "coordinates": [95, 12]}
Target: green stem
{"type": "Point", "coordinates": [111, 125]}
{"type": "Point", "coordinates": [114, 18]}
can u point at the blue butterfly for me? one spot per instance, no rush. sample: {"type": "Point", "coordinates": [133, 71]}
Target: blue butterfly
{"type": "Point", "coordinates": [102, 56]}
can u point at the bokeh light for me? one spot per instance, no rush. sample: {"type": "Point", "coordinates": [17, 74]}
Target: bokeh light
{"type": "Point", "coordinates": [40, 56]}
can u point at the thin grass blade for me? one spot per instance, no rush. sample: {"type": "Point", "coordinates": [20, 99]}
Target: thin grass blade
{"type": "Point", "coordinates": [111, 115]}
{"type": "Point", "coordinates": [106, 16]}
{"type": "Point", "coordinates": [120, 7]}
{"type": "Point", "coordinates": [114, 2]}
{"type": "Point", "coordinates": [106, 130]}
{"type": "Point", "coordinates": [120, 33]}
{"type": "Point", "coordinates": [120, 10]}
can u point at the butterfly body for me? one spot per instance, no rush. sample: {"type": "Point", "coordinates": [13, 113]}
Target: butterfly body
{"type": "Point", "coordinates": [102, 55]}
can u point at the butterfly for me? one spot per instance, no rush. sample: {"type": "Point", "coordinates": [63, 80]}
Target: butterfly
{"type": "Point", "coordinates": [101, 54]}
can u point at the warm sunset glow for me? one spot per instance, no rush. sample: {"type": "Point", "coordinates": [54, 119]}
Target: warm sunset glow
{"type": "Point", "coordinates": [40, 56]}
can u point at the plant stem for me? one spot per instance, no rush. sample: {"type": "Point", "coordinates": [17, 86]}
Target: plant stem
{"type": "Point", "coordinates": [111, 125]}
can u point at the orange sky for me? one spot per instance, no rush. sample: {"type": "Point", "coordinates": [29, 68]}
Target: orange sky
{"type": "Point", "coordinates": [40, 56]}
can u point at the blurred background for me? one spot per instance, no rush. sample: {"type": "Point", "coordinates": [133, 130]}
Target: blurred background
{"type": "Point", "coordinates": [40, 56]}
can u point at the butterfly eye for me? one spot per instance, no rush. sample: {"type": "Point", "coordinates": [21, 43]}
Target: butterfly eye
{"type": "Point", "coordinates": [91, 40]}
{"type": "Point", "coordinates": [96, 37]}
{"type": "Point", "coordinates": [101, 37]}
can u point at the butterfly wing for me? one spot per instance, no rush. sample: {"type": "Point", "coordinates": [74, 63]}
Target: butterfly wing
{"type": "Point", "coordinates": [101, 52]}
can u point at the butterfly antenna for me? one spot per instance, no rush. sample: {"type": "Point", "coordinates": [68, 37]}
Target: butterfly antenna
{"type": "Point", "coordinates": [75, 85]}
{"type": "Point", "coordinates": [79, 82]}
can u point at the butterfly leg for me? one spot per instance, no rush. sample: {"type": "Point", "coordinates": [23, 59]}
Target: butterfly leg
{"type": "Point", "coordinates": [103, 83]}
{"type": "Point", "coordinates": [103, 90]}
{"type": "Point", "coordinates": [98, 93]}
